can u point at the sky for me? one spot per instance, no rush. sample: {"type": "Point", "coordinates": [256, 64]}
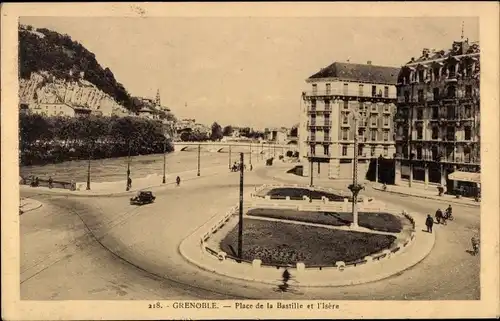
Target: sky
{"type": "Point", "coordinates": [246, 71]}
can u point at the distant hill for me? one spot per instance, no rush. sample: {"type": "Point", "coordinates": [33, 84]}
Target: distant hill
{"type": "Point", "coordinates": [43, 50]}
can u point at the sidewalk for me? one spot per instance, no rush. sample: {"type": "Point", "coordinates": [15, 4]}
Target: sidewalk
{"type": "Point", "coordinates": [425, 193]}
{"type": "Point", "coordinates": [28, 204]}
{"type": "Point", "coordinates": [415, 252]}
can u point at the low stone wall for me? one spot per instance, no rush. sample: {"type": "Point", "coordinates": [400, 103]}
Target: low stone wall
{"type": "Point", "coordinates": [320, 206]}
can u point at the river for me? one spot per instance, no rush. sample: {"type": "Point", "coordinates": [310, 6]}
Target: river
{"type": "Point", "coordinates": [115, 169]}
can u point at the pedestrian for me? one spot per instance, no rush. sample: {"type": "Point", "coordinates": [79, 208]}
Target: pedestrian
{"type": "Point", "coordinates": [251, 167]}
{"type": "Point", "coordinates": [449, 212]}
{"type": "Point", "coordinates": [439, 216]}
{"type": "Point", "coordinates": [429, 222]}
{"type": "Point", "coordinates": [50, 182]}
{"type": "Point", "coordinates": [178, 180]}
{"type": "Point", "coordinates": [37, 182]}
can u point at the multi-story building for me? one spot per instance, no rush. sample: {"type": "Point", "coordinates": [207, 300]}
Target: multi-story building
{"type": "Point", "coordinates": [327, 126]}
{"type": "Point", "coordinates": [438, 127]}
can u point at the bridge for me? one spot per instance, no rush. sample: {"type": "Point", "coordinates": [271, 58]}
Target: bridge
{"type": "Point", "coordinates": [235, 147]}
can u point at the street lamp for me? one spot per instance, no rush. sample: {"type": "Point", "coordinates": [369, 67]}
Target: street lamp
{"type": "Point", "coordinates": [229, 157]}
{"type": "Point", "coordinates": [355, 187]}
{"type": "Point", "coordinates": [128, 166]}
{"type": "Point", "coordinates": [88, 173]}
{"type": "Point", "coordinates": [250, 161]}
{"type": "Point", "coordinates": [199, 148]}
{"type": "Point", "coordinates": [240, 223]}
{"type": "Point", "coordinates": [164, 159]}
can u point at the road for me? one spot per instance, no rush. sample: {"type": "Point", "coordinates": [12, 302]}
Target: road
{"type": "Point", "coordinates": [67, 249]}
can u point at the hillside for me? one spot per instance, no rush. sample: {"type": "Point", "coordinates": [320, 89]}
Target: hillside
{"type": "Point", "coordinates": [47, 56]}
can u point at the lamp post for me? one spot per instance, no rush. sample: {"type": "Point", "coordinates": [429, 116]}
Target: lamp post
{"type": "Point", "coordinates": [199, 148]}
{"type": "Point", "coordinates": [355, 187]}
{"type": "Point", "coordinates": [240, 223]}
{"type": "Point", "coordinates": [128, 166]}
{"type": "Point", "coordinates": [88, 173]}
{"type": "Point", "coordinates": [311, 182]}
{"type": "Point", "coordinates": [229, 157]}
{"type": "Point", "coordinates": [164, 159]}
{"type": "Point", "coordinates": [376, 169]}
{"type": "Point", "coordinates": [250, 160]}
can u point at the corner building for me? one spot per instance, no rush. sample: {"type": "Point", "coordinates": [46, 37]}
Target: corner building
{"type": "Point", "coordinates": [437, 120]}
{"type": "Point", "coordinates": [327, 128]}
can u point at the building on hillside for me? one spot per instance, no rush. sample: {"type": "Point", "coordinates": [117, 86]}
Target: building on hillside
{"type": "Point", "coordinates": [147, 113]}
{"type": "Point", "coordinates": [59, 109]}
{"type": "Point", "coordinates": [326, 132]}
{"type": "Point", "coordinates": [438, 125]}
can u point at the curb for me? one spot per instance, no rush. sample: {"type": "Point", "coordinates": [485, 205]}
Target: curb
{"type": "Point", "coordinates": [428, 197]}
{"type": "Point", "coordinates": [31, 209]}
{"type": "Point", "coordinates": [206, 267]}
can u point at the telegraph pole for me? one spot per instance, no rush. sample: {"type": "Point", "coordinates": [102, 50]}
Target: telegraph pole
{"type": "Point", "coordinates": [164, 159]}
{"type": "Point", "coordinates": [199, 148]}
{"type": "Point", "coordinates": [88, 173]}
{"type": "Point", "coordinates": [240, 224]}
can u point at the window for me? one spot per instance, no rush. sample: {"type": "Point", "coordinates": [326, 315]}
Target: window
{"type": "Point", "coordinates": [360, 150]}
{"type": "Point", "coordinates": [374, 107]}
{"type": "Point", "coordinates": [361, 106]}
{"type": "Point", "coordinates": [315, 88]}
{"type": "Point", "coordinates": [373, 134]}
{"type": "Point", "coordinates": [451, 70]}
{"type": "Point", "coordinates": [313, 150]}
{"type": "Point", "coordinates": [386, 91]}
{"type": "Point", "coordinates": [436, 73]}
{"type": "Point", "coordinates": [344, 150]}
{"type": "Point", "coordinates": [450, 133]}
{"type": "Point", "coordinates": [346, 104]}
{"type": "Point", "coordinates": [361, 90]}
{"type": "Point", "coordinates": [313, 104]}
{"type": "Point", "coordinates": [386, 108]}
{"type": "Point", "coordinates": [419, 152]}
{"type": "Point", "coordinates": [407, 96]}
{"type": "Point", "coordinates": [420, 113]}
{"type": "Point", "coordinates": [467, 132]}
{"type": "Point", "coordinates": [327, 105]}
{"type": "Point", "coordinates": [374, 91]}
{"type": "Point", "coordinates": [328, 88]}
{"type": "Point", "coordinates": [467, 155]}
{"type": "Point", "coordinates": [467, 110]}
{"type": "Point", "coordinates": [468, 70]}
{"type": "Point", "coordinates": [345, 120]}
{"type": "Point", "coordinates": [346, 89]}
{"type": "Point", "coordinates": [451, 92]}
{"type": "Point", "coordinates": [326, 150]}
{"type": "Point", "coordinates": [419, 132]}
{"type": "Point", "coordinates": [344, 134]}
{"type": "Point", "coordinates": [421, 76]}
{"type": "Point", "coordinates": [435, 132]}
{"type": "Point", "coordinates": [420, 95]}
{"type": "Point", "coordinates": [468, 91]}
{"type": "Point", "coordinates": [374, 121]}
{"type": "Point", "coordinates": [386, 136]}
{"type": "Point", "coordinates": [386, 151]}
{"type": "Point", "coordinates": [372, 151]}
{"type": "Point", "coordinates": [435, 94]}
{"type": "Point", "coordinates": [435, 112]}
{"type": "Point", "coordinates": [386, 120]}
{"type": "Point", "coordinates": [435, 152]}
{"type": "Point", "coordinates": [450, 112]}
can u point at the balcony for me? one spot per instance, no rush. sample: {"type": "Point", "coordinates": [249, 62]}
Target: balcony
{"type": "Point", "coordinates": [345, 125]}
{"type": "Point", "coordinates": [311, 139]}
{"type": "Point", "coordinates": [320, 155]}
{"type": "Point", "coordinates": [452, 77]}
{"type": "Point", "coordinates": [387, 111]}
{"type": "Point", "coordinates": [348, 93]}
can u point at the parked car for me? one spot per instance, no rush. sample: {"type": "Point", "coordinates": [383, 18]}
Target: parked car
{"type": "Point", "coordinates": [143, 197]}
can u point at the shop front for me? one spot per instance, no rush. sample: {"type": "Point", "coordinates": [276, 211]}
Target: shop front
{"type": "Point", "coordinates": [468, 184]}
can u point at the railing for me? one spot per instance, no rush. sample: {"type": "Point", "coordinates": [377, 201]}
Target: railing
{"type": "Point", "coordinates": [341, 92]}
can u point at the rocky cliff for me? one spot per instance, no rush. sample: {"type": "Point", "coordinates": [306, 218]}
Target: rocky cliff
{"type": "Point", "coordinates": [44, 88]}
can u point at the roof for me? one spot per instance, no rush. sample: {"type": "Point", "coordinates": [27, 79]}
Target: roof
{"type": "Point", "coordinates": [359, 72]}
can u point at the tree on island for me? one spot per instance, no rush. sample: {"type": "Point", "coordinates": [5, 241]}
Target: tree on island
{"type": "Point", "coordinates": [227, 131]}
{"type": "Point", "coordinates": [216, 132]}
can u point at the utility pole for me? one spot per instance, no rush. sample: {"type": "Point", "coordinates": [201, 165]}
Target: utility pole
{"type": "Point", "coordinates": [199, 149]}
{"type": "Point", "coordinates": [88, 172]}
{"type": "Point", "coordinates": [128, 165]}
{"type": "Point", "coordinates": [250, 154]}
{"type": "Point", "coordinates": [240, 224]}
{"type": "Point", "coordinates": [164, 159]}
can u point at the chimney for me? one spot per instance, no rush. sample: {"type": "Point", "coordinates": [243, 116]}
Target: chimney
{"type": "Point", "coordinates": [425, 52]}
{"type": "Point", "coordinates": [369, 62]}
{"type": "Point", "coordinates": [412, 59]}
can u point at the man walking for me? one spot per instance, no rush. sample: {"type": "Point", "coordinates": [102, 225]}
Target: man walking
{"type": "Point", "coordinates": [429, 222]}
{"type": "Point", "coordinates": [439, 216]}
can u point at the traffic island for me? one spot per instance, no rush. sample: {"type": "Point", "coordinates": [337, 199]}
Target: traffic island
{"type": "Point", "coordinates": [278, 243]}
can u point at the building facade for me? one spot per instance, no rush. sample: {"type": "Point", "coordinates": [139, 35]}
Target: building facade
{"type": "Point", "coordinates": [437, 120]}
{"type": "Point", "coordinates": [327, 125]}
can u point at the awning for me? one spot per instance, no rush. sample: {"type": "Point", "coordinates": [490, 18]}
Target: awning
{"type": "Point", "coordinates": [465, 177]}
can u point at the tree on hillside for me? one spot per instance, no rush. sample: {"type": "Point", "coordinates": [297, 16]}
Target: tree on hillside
{"type": "Point", "coordinates": [216, 132]}
{"type": "Point", "coordinates": [228, 130]}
